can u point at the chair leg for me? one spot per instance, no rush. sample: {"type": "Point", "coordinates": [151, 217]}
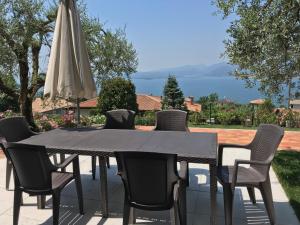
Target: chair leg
{"type": "Point", "coordinates": [132, 217]}
{"type": "Point", "coordinates": [107, 162]}
{"type": "Point", "coordinates": [17, 204]}
{"type": "Point", "coordinates": [22, 202]}
{"type": "Point", "coordinates": [41, 201]}
{"type": "Point", "coordinates": [94, 167]}
{"type": "Point", "coordinates": [228, 204]}
{"type": "Point", "coordinates": [76, 171]}
{"type": "Point", "coordinates": [182, 207]}
{"type": "Point", "coordinates": [188, 175]}
{"type": "Point", "coordinates": [266, 192]}
{"type": "Point", "coordinates": [8, 173]}
{"type": "Point", "coordinates": [174, 214]}
{"type": "Point", "coordinates": [251, 193]}
{"type": "Point", "coordinates": [56, 203]}
{"type": "Point", "coordinates": [126, 213]}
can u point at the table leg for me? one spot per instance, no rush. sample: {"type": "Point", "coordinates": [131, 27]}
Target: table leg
{"type": "Point", "coordinates": [103, 186]}
{"type": "Point", "coordinates": [41, 201]}
{"type": "Point", "coordinates": [62, 159]}
{"type": "Point", "coordinates": [213, 192]}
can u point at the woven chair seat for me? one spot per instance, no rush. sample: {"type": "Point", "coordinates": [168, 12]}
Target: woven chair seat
{"type": "Point", "coordinates": [245, 175]}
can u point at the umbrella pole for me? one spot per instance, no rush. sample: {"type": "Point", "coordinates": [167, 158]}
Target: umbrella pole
{"type": "Point", "coordinates": [78, 111]}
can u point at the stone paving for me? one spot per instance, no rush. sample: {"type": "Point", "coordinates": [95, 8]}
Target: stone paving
{"type": "Point", "coordinates": [291, 140]}
{"type": "Point", "coordinates": [197, 201]}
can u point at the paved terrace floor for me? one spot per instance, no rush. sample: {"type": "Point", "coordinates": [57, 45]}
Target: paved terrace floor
{"type": "Point", "coordinates": [291, 140]}
{"type": "Point", "coordinates": [197, 201]}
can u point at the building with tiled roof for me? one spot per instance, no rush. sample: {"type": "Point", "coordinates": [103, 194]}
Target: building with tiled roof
{"type": "Point", "coordinates": [145, 103]}
{"type": "Point", "coordinates": [148, 102]}
{"type": "Point", "coordinates": [257, 101]}
{"type": "Point", "coordinates": [295, 105]}
{"type": "Point", "coordinates": [191, 105]}
{"type": "Point", "coordinates": [88, 104]}
{"type": "Point", "coordinates": [40, 105]}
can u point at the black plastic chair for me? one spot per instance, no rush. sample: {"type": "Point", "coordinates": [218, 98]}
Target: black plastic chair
{"type": "Point", "coordinates": [36, 175]}
{"type": "Point", "coordinates": [171, 120]}
{"type": "Point", "coordinates": [120, 119]}
{"type": "Point", "coordinates": [15, 129]}
{"type": "Point", "coordinates": [116, 119]}
{"type": "Point", "coordinates": [263, 148]}
{"type": "Point", "coordinates": [152, 182]}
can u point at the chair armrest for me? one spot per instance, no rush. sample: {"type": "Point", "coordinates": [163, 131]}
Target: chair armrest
{"type": "Point", "coordinates": [245, 162]}
{"type": "Point", "coordinates": [66, 162]}
{"type": "Point", "coordinates": [224, 145]}
{"type": "Point", "coordinates": [183, 170]}
{"type": "Point", "coordinates": [33, 133]}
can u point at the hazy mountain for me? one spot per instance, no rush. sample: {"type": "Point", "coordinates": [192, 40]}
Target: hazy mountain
{"type": "Point", "coordinates": [189, 71]}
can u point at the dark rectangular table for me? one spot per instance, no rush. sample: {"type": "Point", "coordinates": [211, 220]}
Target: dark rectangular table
{"type": "Point", "coordinates": [191, 147]}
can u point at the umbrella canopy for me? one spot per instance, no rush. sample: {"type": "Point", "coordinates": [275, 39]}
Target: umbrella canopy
{"type": "Point", "coordinates": [69, 73]}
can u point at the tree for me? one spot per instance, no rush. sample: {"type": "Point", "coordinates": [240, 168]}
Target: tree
{"type": "Point", "coordinates": [113, 56]}
{"type": "Point", "coordinates": [205, 101]}
{"type": "Point", "coordinates": [7, 102]}
{"type": "Point", "coordinates": [264, 41]}
{"type": "Point", "coordinates": [117, 93]}
{"type": "Point", "coordinates": [173, 97]}
{"type": "Point", "coordinates": [26, 28]}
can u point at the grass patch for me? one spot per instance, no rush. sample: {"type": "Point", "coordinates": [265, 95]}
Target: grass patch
{"type": "Point", "coordinates": [286, 165]}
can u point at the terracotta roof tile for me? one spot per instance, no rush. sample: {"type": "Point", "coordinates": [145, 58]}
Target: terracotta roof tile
{"type": "Point", "coordinates": [44, 105]}
{"type": "Point", "coordinates": [91, 103]}
{"type": "Point", "coordinates": [148, 102]}
{"type": "Point", "coordinates": [145, 103]}
{"type": "Point", "coordinates": [257, 101]}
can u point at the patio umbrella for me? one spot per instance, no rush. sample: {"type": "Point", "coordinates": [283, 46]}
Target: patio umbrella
{"type": "Point", "coordinates": [69, 73]}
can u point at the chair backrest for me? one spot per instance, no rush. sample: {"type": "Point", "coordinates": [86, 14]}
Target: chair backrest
{"type": "Point", "coordinates": [120, 119]}
{"type": "Point", "coordinates": [32, 166]}
{"type": "Point", "coordinates": [265, 143]}
{"type": "Point", "coordinates": [148, 178]}
{"type": "Point", "coordinates": [171, 120]}
{"type": "Point", "coordinates": [15, 129]}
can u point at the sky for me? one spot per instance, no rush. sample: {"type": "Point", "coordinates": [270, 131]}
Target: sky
{"type": "Point", "coordinates": [166, 33]}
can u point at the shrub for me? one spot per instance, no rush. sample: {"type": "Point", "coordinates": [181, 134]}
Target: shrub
{"type": "Point", "coordinates": [7, 114]}
{"type": "Point", "coordinates": [265, 113]}
{"type": "Point", "coordinates": [197, 118]}
{"type": "Point", "coordinates": [8, 103]}
{"type": "Point", "coordinates": [43, 122]}
{"type": "Point", "coordinates": [97, 119]}
{"type": "Point", "coordinates": [117, 93]}
{"type": "Point", "coordinates": [147, 119]}
{"type": "Point", "coordinates": [289, 118]}
{"type": "Point", "coordinates": [226, 117]}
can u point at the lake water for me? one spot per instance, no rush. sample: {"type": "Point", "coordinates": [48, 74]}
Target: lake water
{"type": "Point", "coordinates": [226, 87]}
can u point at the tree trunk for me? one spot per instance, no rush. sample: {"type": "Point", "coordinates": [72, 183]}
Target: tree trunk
{"type": "Point", "coordinates": [26, 110]}
{"type": "Point", "coordinates": [25, 100]}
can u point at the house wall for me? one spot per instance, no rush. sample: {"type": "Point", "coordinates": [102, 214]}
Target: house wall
{"type": "Point", "coordinates": [84, 112]}
{"type": "Point", "coordinates": [295, 106]}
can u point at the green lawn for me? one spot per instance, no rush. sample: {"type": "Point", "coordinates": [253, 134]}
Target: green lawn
{"type": "Point", "coordinates": [232, 127]}
{"type": "Point", "coordinates": [286, 165]}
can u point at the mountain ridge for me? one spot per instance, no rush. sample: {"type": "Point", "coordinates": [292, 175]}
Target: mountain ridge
{"type": "Point", "coordinates": [217, 70]}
